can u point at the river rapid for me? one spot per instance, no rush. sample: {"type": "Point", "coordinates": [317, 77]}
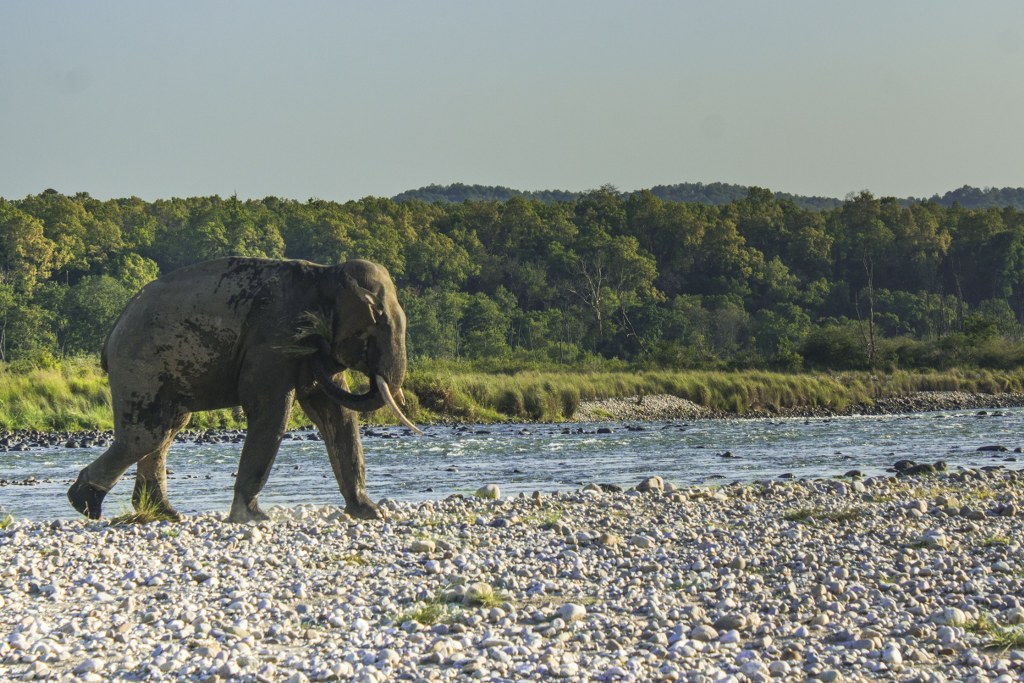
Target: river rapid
{"type": "Point", "coordinates": [545, 457]}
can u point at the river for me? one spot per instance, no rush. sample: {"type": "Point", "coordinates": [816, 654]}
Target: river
{"type": "Point", "coordinates": [545, 457]}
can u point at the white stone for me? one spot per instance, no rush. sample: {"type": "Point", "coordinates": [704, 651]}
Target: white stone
{"type": "Point", "coordinates": [91, 665]}
{"type": "Point", "coordinates": [949, 616]}
{"type": "Point", "coordinates": [572, 612]}
{"type": "Point", "coordinates": [642, 541]}
{"type": "Point", "coordinates": [489, 492]}
{"type": "Point", "coordinates": [651, 484]}
{"type": "Point", "coordinates": [892, 656]}
{"type": "Point", "coordinates": [730, 637]}
{"type": "Point", "coordinates": [703, 633]}
{"type": "Point", "coordinates": [424, 545]}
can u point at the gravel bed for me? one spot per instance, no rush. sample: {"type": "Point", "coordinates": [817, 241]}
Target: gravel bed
{"type": "Point", "coordinates": [905, 578]}
{"type": "Point", "coordinates": [642, 408]}
{"type": "Point", "coordinates": [668, 407]}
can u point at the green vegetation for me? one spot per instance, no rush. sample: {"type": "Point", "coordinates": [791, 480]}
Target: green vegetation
{"type": "Point", "coordinates": [521, 306]}
{"type": "Point", "coordinates": [6, 520]}
{"type": "Point", "coordinates": [70, 395]}
{"type": "Point", "coordinates": [468, 392]}
{"type": "Point", "coordinates": [483, 595]}
{"type": "Point", "coordinates": [354, 559]}
{"type": "Point", "coordinates": [446, 606]}
{"type": "Point", "coordinates": [147, 510]}
{"type": "Point", "coordinates": [999, 637]}
{"type": "Point", "coordinates": [994, 541]}
{"type": "Point", "coordinates": [428, 614]}
{"type": "Point", "coordinates": [73, 395]}
{"type": "Point", "coordinates": [709, 193]}
{"type": "Point", "coordinates": [750, 280]}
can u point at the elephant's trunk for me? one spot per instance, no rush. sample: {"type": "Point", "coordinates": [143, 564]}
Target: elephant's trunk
{"type": "Point", "coordinates": [378, 395]}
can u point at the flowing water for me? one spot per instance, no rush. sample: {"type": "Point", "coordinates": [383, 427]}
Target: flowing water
{"type": "Point", "coordinates": [525, 458]}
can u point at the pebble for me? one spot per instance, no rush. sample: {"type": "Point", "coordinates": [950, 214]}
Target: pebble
{"type": "Point", "coordinates": [690, 584]}
{"type": "Point", "coordinates": [422, 546]}
{"type": "Point", "coordinates": [704, 633]}
{"type": "Point", "coordinates": [570, 612]}
{"type": "Point", "coordinates": [489, 492]}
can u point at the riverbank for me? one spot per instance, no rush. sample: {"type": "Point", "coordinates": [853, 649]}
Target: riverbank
{"type": "Point", "coordinates": [668, 407]}
{"type": "Point", "coordinates": [893, 578]}
{"type": "Point", "coordinates": [74, 395]}
{"type": "Point", "coordinates": [660, 407]}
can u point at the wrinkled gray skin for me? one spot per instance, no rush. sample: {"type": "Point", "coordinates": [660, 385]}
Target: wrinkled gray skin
{"type": "Point", "coordinates": [216, 335]}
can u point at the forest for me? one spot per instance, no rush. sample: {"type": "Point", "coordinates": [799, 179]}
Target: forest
{"type": "Point", "coordinates": [714, 193]}
{"type": "Point", "coordinates": [758, 281]}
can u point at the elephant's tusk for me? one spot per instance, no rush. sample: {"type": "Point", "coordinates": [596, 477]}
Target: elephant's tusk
{"type": "Point", "coordinates": [400, 397]}
{"type": "Point", "coordinates": [385, 391]}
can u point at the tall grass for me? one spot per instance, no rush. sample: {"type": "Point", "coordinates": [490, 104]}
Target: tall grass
{"type": "Point", "coordinates": [552, 395]}
{"type": "Point", "coordinates": [74, 395]}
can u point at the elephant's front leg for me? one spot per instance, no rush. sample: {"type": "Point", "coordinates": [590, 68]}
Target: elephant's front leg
{"type": "Point", "coordinates": [340, 431]}
{"type": "Point", "coordinates": [267, 420]}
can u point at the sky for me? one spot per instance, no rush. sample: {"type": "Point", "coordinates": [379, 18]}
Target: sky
{"type": "Point", "coordinates": [342, 100]}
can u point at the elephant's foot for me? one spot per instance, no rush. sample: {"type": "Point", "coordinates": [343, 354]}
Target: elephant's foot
{"type": "Point", "coordinates": [147, 502]}
{"type": "Point", "coordinates": [364, 508]}
{"type": "Point", "coordinates": [85, 497]}
{"type": "Point", "coordinates": [242, 513]}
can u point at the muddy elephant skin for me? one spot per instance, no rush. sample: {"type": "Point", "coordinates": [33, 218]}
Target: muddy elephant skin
{"type": "Point", "coordinates": [229, 333]}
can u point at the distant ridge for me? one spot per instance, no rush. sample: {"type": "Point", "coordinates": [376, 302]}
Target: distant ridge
{"type": "Point", "coordinates": [709, 193]}
{"type": "Point", "coordinates": [457, 193]}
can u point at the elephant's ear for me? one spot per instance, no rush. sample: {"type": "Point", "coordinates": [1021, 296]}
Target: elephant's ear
{"type": "Point", "coordinates": [357, 308]}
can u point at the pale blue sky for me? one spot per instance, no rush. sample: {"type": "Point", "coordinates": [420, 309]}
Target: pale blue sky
{"type": "Point", "coordinates": [340, 100]}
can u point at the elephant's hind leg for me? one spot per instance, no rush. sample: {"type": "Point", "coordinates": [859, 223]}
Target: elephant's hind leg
{"type": "Point", "coordinates": [87, 497]}
{"type": "Point", "coordinates": [150, 491]}
{"type": "Point", "coordinates": [131, 443]}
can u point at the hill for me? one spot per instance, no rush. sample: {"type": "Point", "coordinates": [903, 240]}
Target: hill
{"type": "Point", "coordinates": [715, 194]}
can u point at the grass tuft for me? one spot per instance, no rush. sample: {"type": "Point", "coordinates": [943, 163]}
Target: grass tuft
{"type": "Point", "coordinates": [428, 614]}
{"type": "Point", "coordinates": [147, 510]}
{"type": "Point", "coordinates": [995, 540]}
{"type": "Point", "coordinates": [998, 636]}
{"type": "Point", "coordinates": [354, 559]}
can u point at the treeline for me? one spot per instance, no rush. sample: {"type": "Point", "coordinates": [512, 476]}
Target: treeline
{"type": "Point", "coordinates": [755, 282]}
{"type": "Point", "coordinates": [713, 193]}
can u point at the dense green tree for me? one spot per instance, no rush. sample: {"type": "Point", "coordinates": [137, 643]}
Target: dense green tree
{"type": "Point", "coordinates": [90, 309]}
{"type": "Point", "coordinates": [26, 254]}
{"type": "Point", "coordinates": [749, 277]}
{"type": "Point", "coordinates": [485, 327]}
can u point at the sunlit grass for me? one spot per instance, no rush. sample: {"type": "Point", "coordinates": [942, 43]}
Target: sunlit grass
{"type": "Point", "coordinates": [446, 390]}
{"type": "Point", "coordinates": [998, 636]}
{"type": "Point", "coordinates": [147, 510]}
{"type": "Point", "coordinates": [427, 614]}
{"type": "Point", "coordinates": [74, 395]}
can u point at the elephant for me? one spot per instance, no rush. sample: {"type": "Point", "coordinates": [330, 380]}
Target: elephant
{"type": "Point", "coordinates": [256, 333]}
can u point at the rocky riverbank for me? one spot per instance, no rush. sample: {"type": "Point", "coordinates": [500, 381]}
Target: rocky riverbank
{"type": "Point", "coordinates": [888, 578]}
{"type": "Point", "coordinates": [667, 407]}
